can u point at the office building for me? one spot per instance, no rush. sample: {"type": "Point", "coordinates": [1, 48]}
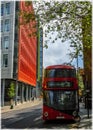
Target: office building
{"type": "Point", "coordinates": [18, 53]}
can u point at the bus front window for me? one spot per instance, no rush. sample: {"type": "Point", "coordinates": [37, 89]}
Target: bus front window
{"type": "Point", "coordinates": [61, 100]}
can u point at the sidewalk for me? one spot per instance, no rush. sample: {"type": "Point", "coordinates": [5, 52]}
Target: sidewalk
{"type": "Point", "coordinates": [21, 106]}
{"type": "Point", "coordinates": [84, 112]}
{"type": "Point", "coordinates": [86, 122]}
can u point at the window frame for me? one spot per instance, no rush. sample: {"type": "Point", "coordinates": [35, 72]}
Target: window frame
{"type": "Point", "coordinates": [7, 25]}
{"type": "Point", "coordinates": [6, 42]}
{"type": "Point", "coordinates": [2, 26]}
{"type": "Point", "coordinates": [2, 9]}
{"type": "Point", "coordinates": [7, 8]}
{"type": "Point", "coordinates": [5, 60]}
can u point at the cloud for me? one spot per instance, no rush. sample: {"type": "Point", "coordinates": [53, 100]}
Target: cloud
{"type": "Point", "coordinates": [57, 53]}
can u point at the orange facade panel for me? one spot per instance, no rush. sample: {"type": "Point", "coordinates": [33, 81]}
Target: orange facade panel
{"type": "Point", "coordinates": [27, 52]}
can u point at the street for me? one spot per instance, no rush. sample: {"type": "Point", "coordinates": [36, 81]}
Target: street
{"type": "Point", "coordinates": [28, 118]}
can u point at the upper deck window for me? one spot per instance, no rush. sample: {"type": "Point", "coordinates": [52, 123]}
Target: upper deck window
{"type": "Point", "coordinates": [54, 73]}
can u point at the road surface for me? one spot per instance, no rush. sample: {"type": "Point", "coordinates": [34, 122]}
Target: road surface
{"type": "Point", "coordinates": [31, 118]}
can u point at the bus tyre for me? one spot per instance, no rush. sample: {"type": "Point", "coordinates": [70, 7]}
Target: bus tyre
{"type": "Point", "coordinates": [77, 118]}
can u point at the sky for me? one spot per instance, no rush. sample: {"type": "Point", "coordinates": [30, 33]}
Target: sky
{"type": "Point", "coordinates": [57, 53]}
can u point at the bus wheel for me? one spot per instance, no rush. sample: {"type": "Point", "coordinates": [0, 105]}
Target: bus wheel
{"type": "Point", "coordinates": [77, 118]}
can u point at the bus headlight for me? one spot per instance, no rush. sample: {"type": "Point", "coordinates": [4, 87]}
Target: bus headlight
{"type": "Point", "coordinates": [75, 113]}
{"type": "Point", "coordinates": [46, 114]}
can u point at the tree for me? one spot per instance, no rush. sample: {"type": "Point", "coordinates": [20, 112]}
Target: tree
{"type": "Point", "coordinates": [11, 93]}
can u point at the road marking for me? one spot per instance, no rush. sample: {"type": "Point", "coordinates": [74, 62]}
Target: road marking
{"type": "Point", "coordinates": [37, 118]}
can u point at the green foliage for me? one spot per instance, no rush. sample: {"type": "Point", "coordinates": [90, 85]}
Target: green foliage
{"type": "Point", "coordinates": [65, 18]}
{"type": "Point", "coordinates": [11, 90]}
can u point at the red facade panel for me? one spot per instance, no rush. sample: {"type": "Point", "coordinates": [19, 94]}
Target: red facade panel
{"type": "Point", "coordinates": [27, 52]}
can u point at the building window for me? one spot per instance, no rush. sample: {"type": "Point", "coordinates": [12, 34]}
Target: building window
{"type": "Point", "coordinates": [41, 48]}
{"type": "Point", "coordinates": [1, 25]}
{"type": "Point", "coordinates": [5, 60]}
{"type": "Point", "coordinates": [1, 42]}
{"type": "Point", "coordinates": [2, 9]}
{"type": "Point", "coordinates": [7, 8]}
{"type": "Point", "coordinates": [7, 25]}
{"type": "Point", "coordinates": [6, 42]}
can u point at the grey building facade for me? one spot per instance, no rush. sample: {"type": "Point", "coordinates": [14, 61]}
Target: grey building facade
{"type": "Point", "coordinates": [7, 44]}
{"type": "Point", "coordinates": [9, 55]}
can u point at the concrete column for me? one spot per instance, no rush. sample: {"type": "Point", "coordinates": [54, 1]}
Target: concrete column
{"type": "Point", "coordinates": [29, 93]}
{"type": "Point", "coordinates": [37, 90]}
{"type": "Point", "coordinates": [16, 92]}
{"type": "Point", "coordinates": [26, 93]}
{"type": "Point", "coordinates": [34, 92]}
{"type": "Point", "coordinates": [22, 93]}
{"type": "Point", "coordinates": [2, 92]}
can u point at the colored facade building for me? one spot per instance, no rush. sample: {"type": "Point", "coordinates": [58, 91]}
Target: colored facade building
{"type": "Point", "coordinates": [18, 54]}
{"type": "Point", "coordinates": [27, 52]}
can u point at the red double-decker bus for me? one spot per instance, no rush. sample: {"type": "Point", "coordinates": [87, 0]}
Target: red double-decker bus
{"type": "Point", "coordinates": [60, 93]}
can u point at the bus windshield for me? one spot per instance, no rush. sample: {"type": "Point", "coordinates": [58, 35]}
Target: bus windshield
{"type": "Point", "coordinates": [60, 73]}
{"type": "Point", "coordinates": [60, 100]}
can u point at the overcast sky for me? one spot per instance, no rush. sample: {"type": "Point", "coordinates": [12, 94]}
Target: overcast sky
{"type": "Point", "coordinates": [57, 53]}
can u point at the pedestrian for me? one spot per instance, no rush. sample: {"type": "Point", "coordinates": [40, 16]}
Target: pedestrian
{"type": "Point", "coordinates": [32, 98]}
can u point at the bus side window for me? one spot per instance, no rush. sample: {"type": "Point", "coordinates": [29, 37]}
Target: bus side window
{"type": "Point", "coordinates": [51, 97]}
